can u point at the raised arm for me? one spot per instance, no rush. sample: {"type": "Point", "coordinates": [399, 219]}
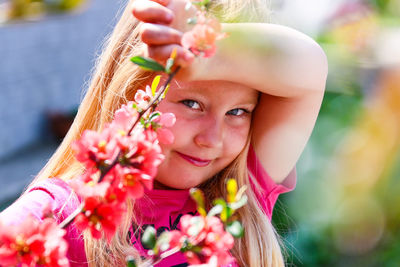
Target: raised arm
{"type": "Point", "coordinates": [288, 67]}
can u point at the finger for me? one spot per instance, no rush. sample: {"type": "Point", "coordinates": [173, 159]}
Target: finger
{"type": "Point", "coordinates": [162, 52]}
{"type": "Point", "coordinates": [155, 34]}
{"type": "Point", "coordinates": [152, 12]}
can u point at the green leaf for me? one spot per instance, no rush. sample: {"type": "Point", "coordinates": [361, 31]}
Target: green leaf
{"type": "Point", "coordinates": [154, 115]}
{"type": "Point", "coordinates": [235, 228]}
{"type": "Point", "coordinates": [186, 246]}
{"type": "Point", "coordinates": [202, 3]}
{"type": "Point", "coordinates": [198, 197]}
{"type": "Point", "coordinates": [149, 238]}
{"type": "Point", "coordinates": [217, 209]}
{"type": "Point", "coordinates": [154, 84]}
{"type": "Point", "coordinates": [238, 204]}
{"type": "Point", "coordinates": [147, 63]}
{"type": "Point", "coordinates": [163, 241]}
{"type": "Point", "coordinates": [226, 211]}
{"type": "Point", "coordinates": [168, 66]}
{"type": "Point", "coordinates": [130, 262]}
{"type": "Point", "coordinates": [142, 121]}
{"type": "Point", "coordinates": [165, 91]}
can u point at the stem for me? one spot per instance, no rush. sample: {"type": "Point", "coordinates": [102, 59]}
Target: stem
{"type": "Point", "coordinates": [164, 255]}
{"type": "Point", "coordinates": [167, 254]}
{"type": "Point", "coordinates": [72, 216]}
{"type": "Point", "coordinates": [152, 104]}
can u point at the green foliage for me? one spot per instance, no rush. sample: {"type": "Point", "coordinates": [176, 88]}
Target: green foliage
{"type": "Point", "coordinates": [202, 3]}
{"type": "Point", "coordinates": [149, 238]}
{"type": "Point", "coordinates": [169, 64]}
{"type": "Point", "coordinates": [235, 228]}
{"type": "Point", "coordinates": [226, 211]}
{"type": "Point", "coordinates": [147, 63]}
{"type": "Point", "coordinates": [20, 9]}
{"type": "Point", "coordinates": [380, 5]}
{"type": "Point", "coordinates": [198, 197]}
{"type": "Point", "coordinates": [130, 262]}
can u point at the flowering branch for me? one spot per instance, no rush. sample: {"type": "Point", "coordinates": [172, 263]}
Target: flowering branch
{"type": "Point", "coordinates": [203, 239]}
{"type": "Point", "coordinates": [153, 104]}
{"type": "Point", "coordinates": [122, 160]}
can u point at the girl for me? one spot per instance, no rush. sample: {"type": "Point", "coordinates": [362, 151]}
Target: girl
{"type": "Point", "coordinates": [246, 113]}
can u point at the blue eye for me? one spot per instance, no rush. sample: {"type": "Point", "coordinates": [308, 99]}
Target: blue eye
{"type": "Point", "coordinates": [191, 103]}
{"type": "Point", "coordinates": [237, 111]}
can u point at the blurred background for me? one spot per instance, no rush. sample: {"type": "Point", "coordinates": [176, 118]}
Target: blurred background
{"type": "Point", "coordinates": [47, 51]}
{"type": "Point", "coordinates": [344, 211]}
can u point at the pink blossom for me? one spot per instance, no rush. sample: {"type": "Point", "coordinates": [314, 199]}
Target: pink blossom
{"type": "Point", "coordinates": [143, 98]}
{"type": "Point", "coordinates": [33, 243]}
{"type": "Point", "coordinates": [133, 180]}
{"type": "Point", "coordinates": [99, 215]}
{"type": "Point", "coordinates": [167, 119]}
{"type": "Point", "coordinates": [209, 236]}
{"type": "Point", "coordinates": [201, 39]}
{"type": "Point", "coordinates": [116, 194]}
{"type": "Point", "coordinates": [84, 188]}
{"type": "Point", "coordinates": [176, 238]}
{"type": "Point", "coordinates": [144, 153]}
{"type": "Point", "coordinates": [95, 149]}
{"type": "Point", "coordinates": [165, 136]}
{"type": "Point", "coordinates": [124, 118]}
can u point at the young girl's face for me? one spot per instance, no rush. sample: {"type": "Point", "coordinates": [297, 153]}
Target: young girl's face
{"type": "Point", "coordinates": [212, 126]}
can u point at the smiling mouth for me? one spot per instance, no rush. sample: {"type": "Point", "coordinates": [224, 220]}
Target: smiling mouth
{"type": "Point", "coordinates": [195, 161]}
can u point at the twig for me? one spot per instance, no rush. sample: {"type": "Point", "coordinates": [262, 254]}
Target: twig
{"type": "Point", "coordinates": [152, 104]}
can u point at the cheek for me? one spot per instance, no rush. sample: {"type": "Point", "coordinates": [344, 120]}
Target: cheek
{"type": "Point", "coordinates": [236, 140]}
{"type": "Point", "coordinates": [182, 134]}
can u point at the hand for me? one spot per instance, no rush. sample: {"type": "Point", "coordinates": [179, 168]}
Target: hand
{"type": "Point", "coordinates": [164, 22]}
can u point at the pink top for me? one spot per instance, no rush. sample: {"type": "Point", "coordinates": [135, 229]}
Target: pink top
{"type": "Point", "coordinates": [159, 208]}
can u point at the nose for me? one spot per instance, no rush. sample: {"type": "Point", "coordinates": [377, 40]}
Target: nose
{"type": "Point", "coordinates": [210, 133]}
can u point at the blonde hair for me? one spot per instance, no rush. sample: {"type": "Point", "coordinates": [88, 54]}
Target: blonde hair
{"type": "Point", "coordinates": [115, 81]}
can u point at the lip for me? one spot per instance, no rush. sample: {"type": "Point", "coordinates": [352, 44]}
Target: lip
{"type": "Point", "coordinates": [195, 161]}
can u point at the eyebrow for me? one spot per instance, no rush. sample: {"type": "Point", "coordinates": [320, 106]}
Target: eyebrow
{"type": "Point", "coordinates": [197, 91]}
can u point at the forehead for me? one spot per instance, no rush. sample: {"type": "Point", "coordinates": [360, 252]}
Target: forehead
{"type": "Point", "coordinates": [218, 90]}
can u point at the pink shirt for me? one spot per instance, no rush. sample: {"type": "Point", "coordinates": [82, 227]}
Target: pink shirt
{"type": "Point", "coordinates": [160, 208]}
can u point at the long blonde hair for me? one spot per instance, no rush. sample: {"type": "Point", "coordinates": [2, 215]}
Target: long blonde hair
{"type": "Point", "coordinates": [114, 81]}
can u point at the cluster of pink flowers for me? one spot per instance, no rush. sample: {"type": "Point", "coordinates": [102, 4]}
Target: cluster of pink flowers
{"type": "Point", "coordinates": [120, 161]}
{"type": "Point", "coordinates": [33, 243]}
{"type": "Point", "coordinates": [201, 39]}
{"type": "Point", "coordinates": [203, 240]}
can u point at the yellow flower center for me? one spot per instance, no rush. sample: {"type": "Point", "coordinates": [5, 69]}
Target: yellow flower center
{"type": "Point", "coordinates": [102, 145]}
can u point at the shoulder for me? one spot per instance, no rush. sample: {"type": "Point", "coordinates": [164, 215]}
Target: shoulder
{"type": "Point", "coordinates": [258, 172]}
{"type": "Point", "coordinates": [50, 193]}
{"type": "Point", "coordinates": [264, 187]}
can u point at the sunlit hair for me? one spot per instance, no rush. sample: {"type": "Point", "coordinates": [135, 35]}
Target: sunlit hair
{"type": "Point", "coordinates": [114, 81]}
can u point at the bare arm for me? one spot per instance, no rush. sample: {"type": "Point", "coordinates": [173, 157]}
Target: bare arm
{"type": "Point", "coordinates": [288, 67]}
